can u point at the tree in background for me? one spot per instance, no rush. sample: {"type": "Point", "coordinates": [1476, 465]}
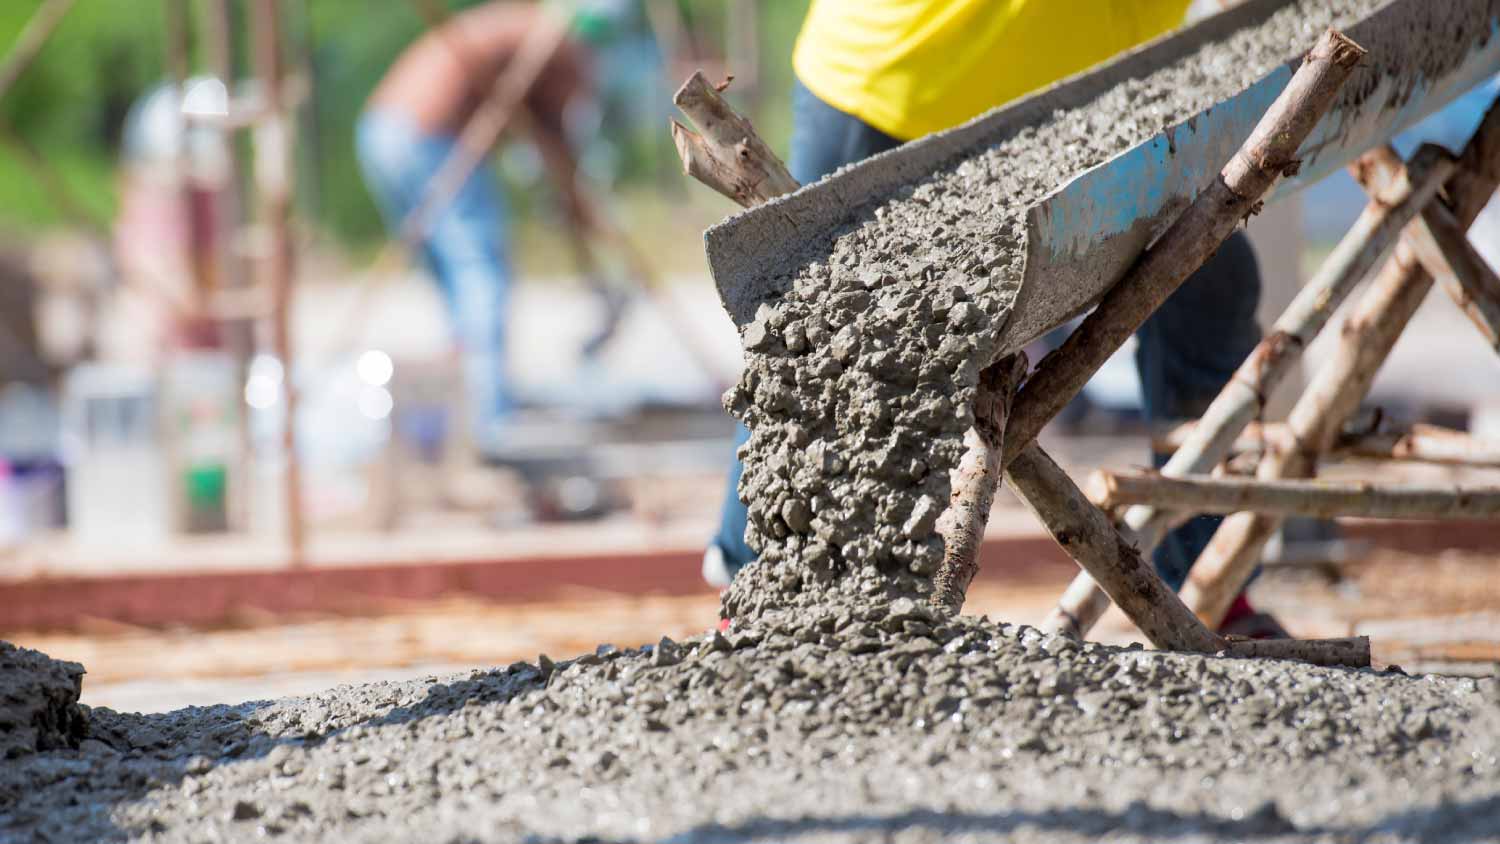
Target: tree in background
{"type": "Point", "coordinates": [71, 104]}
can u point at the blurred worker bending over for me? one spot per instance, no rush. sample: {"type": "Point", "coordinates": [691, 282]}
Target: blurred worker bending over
{"type": "Point", "coordinates": [872, 74]}
{"type": "Point", "coordinates": [411, 125]}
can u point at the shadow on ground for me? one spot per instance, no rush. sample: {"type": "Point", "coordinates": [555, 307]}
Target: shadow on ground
{"type": "Point", "coordinates": [1476, 820]}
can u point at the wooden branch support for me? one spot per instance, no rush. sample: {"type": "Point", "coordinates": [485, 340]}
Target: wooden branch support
{"type": "Point", "coordinates": [751, 175]}
{"type": "Point", "coordinates": [974, 483]}
{"type": "Point", "coordinates": [1440, 242]}
{"type": "Point", "coordinates": [1264, 158]}
{"type": "Point", "coordinates": [1243, 399]}
{"type": "Point", "coordinates": [1086, 533]}
{"type": "Point", "coordinates": [1417, 443]}
{"type": "Point", "coordinates": [1353, 651]}
{"type": "Point", "coordinates": [1318, 499]}
{"type": "Point", "coordinates": [1444, 249]}
{"type": "Point", "coordinates": [1336, 390]}
{"type": "Point", "coordinates": [274, 179]}
{"type": "Point", "coordinates": [1088, 536]}
{"type": "Point", "coordinates": [1268, 154]}
{"type": "Point", "coordinates": [725, 153]}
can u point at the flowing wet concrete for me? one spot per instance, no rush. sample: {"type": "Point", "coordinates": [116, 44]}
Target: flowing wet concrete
{"type": "Point", "coordinates": [886, 724]}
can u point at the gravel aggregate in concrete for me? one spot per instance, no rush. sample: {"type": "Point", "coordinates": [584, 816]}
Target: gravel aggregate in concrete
{"type": "Point", "coordinates": [881, 724]}
{"type": "Point", "coordinates": [38, 702]}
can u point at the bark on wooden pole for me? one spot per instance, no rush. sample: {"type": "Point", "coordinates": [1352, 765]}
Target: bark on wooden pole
{"type": "Point", "coordinates": [974, 483]}
{"type": "Point", "coordinates": [1243, 398]}
{"type": "Point", "coordinates": [1336, 390]}
{"type": "Point", "coordinates": [273, 157]}
{"type": "Point", "coordinates": [1351, 652]}
{"type": "Point", "coordinates": [1416, 443]}
{"type": "Point", "coordinates": [1088, 536]}
{"type": "Point", "coordinates": [1443, 247]}
{"type": "Point", "coordinates": [1276, 356]}
{"type": "Point", "coordinates": [1268, 154]}
{"type": "Point", "coordinates": [1318, 499]}
{"type": "Point", "coordinates": [725, 153]}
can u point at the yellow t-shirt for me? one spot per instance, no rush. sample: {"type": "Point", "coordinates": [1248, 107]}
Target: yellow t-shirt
{"type": "Point", "coordinates": [912, 67]}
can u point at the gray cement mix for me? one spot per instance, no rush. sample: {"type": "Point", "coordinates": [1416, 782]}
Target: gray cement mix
{"type": "Point", "coordinates": [887, 724]}
{"type": "Point", "coordinates": [38, 702]}
{"type": "Point", "coordinates": [860, 375]}
{"type": "Point", "coordinates": [862, 715]}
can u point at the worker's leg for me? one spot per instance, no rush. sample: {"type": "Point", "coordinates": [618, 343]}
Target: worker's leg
{"type": "Point", "coordinates": [1187, 352]}
{"type": "Point", "coordinates": [823, 140]}
{"type": "Point", "coordinates": [466, 250]}
{"type": "Point", "coordinates": [469, 249]}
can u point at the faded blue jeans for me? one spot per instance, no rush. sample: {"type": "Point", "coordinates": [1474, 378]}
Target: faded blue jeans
{"type": "Point", "coordinates": [1187, 350]}
{"type": "Point", "coordinates": [467, 249]}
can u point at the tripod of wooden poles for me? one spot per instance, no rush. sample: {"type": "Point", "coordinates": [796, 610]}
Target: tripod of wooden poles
{"type": "Point", "coordinates": [1423, 207]}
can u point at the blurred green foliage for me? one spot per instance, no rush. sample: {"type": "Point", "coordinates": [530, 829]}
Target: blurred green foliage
{"type": "Point", "coordinates": [71, 104]}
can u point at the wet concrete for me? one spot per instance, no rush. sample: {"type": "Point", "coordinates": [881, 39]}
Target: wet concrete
{"type": "Point", "coordinates": [861, 716]}
{"type": "Point", "coordinates": [886, 724]}
{"type": "Point", "coordinates": [861, 370]}
{"type": "Point", "coordinates": [38, 702]}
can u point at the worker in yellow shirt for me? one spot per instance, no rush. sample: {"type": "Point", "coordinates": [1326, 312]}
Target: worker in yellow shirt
{"type": "Point", "coordinates": [872, 74]}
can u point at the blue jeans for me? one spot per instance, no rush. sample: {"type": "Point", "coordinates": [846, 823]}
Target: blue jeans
{"type": "Point", "coordinates": [1187, 350]}
{"type": "Point", "coordinates": [466, 250]}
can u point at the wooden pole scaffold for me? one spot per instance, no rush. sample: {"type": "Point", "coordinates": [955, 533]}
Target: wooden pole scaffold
{"type": "Point", "coordinates": [1365, 341]}
{"type": "Point", "coordinates": [220, 50]}
{"type": "Point", "coordinates": [1267, 156]}
{"type": "Point", "coordinates": [728, 156]}
{"type": "Point", "coordinates": [1419, 443]}
{"type": "Point", "coordinates": [1277, 356]}
{"type": "Point", "coordinates": [273, 177]}
{"type": "Point", "coordinates": [1443, 247]}
{"type": "Point", "coordinates": [1319, 499]}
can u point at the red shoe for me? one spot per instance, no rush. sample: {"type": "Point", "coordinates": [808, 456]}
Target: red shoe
{"type": "Point", "coordinates": [1243, 621]}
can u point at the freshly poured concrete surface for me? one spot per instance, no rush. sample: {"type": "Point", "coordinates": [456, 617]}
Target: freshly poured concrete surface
{"type": "Point", "coordinates": [883, 724]}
